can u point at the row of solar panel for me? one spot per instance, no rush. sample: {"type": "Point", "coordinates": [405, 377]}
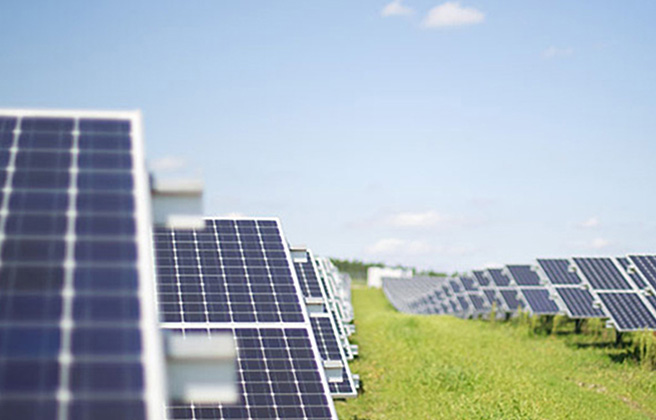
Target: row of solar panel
{"type": "Point", "coordinates": [619, 289]}
{"type": "Point", "coordinates": [78, 320]}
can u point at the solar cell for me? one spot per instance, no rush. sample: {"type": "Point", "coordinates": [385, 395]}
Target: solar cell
{"type": "Point", "coordinates": [602, 273]}
{"type": "Point", "coordinates": [324, 327]}
{"type": "Point", "coordinates": [77, 322]}
{"type": "Point", "coordinates": [237, 275]}
{"type": "Point", "coordinates": [558, 271]}
{"type": "Point", "coordinates": [277, 376]}
{"type": "Point", "coordinates": [628, 311]}
{"type": "Point", "coordinates": [646, 265]}
{"type": "Point", "coordinates": [511, 299]}
{"type": "Point", "coordinates": [498, 277]}
{"type": "Point", "coordinates": [523, 275]}
{"type": "Point", "coordinates": [578, 302]}
{"type": "Point", "coordinates": [482, 279]}
{"type": "Point", "coordinates": [631, 272]}
{"type": "Point", "coordinates": [538, 301]}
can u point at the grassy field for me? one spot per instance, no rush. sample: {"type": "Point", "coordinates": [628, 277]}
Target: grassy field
{"type": "Point", "coordinates": [439, 367]}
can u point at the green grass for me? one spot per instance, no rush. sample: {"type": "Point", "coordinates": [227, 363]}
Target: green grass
{"type": "Point", "coordinates": [440, 367]}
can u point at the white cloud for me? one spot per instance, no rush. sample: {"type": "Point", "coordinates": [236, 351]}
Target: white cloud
{"type": "Point", "coordinates": [452, 14]}
{"type": "Point", "coordinates": [168, 163]}
{"type": "Point", "coordinates": [599, 243]}
{"type": "Point", "coordinates": [590, 223]}
{"type": "Point", "coordinates": [395, 8]}
{"type": "Point", "coordinates": [556, 52]}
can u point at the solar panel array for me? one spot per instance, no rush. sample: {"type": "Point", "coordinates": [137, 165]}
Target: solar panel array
{"type": "Point", "coordinates": [237, 275]}
{"type": "Point", "coordinates": [78, 331]}
{"type": "Point", "coordinates": [622, 290]}
{"type": "Point", "coordinates": [332, 346]}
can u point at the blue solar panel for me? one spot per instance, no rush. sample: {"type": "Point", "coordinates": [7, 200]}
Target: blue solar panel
{"type": "Point", "coordinates": [494, 299]}
{"type": "Point", "coordinates": [602, 273]}
{"type": "Point", "coordinates": [558, 271]}
{"type": "Point", "coordinates": [628, 311]}
{"type": "Point", "coordinates": [498, 278]}
{"type": "Point", "coordinates": [578, 302]}
{"type": "Point", "coordinates": [646, 264]}
{"type": "Point", "coordinates": [538, 301]}
{"type": "Point", "coordinates": [76, 314]}
{"type": "Point", "coordinates": [482, 279]}
{"type": "Point", "coordinates": [324, 326]}
{"type": "Point", "coordinates": [239, 271]}
{"type": "Point", "coordinates": [523, 275]}
{"type": "Point", "coordinates": [277, 376]}
{"type": "Point", "coordinates": [511, 299]}
{"type": "Point", "coordinates": [469, 283]}
{"type": "Point", "coordinates": [629, 271]}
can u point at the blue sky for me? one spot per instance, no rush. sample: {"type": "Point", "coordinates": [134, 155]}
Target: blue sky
{"type": "Point", "coordinates": [444, 135]}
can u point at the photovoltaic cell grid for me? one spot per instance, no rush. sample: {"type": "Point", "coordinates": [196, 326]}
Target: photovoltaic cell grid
{"type": "Point", "coordinates": [633, 275]}
{"type": "Point", "coordinates": [308, 278]}
{"type": "Point", "coordinates": [558, 272]}
{"type": "Point", "coordinates": [646, 264]}
{"type": "Point", "coordinates": [602, 273]}
{"type": "Point", "coordinates": [579, 302]}
{"type": "Point", "coordinates": [74, 269]}
{"type": "Point", "coordinates": [627, 309]}
{"type": "Point", "coordinates": [330, 349]}
{"type": "Point", "coordinates": [277, 376]}
{"type": "Point", "coordinates": [523, 275]}
{"type": "Point", "coordinates": [538, 301]}
{"type": "Point", "coordinates": [481, 278]}
{"type": "Point", "coordinates": [498, 278]}
{"type": "Point", "coordinates": [324, 327]}
{"type": "Point", "coordinates": [231, 271]}
{"type": "Point", "coordinates": [239, 271]}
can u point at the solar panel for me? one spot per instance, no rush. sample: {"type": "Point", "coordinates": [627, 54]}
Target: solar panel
{"type": "Point", "coordinates": [539, 301]}
{"type": "Point", "coordinates": [646, 264]}
{"type": "Point", "coordinates": [493, 298]}
{"type": "Point", "coordinates": [327, 272]}
{"type": "Point", "coordinates": [498, 277]}
{"type": "Point", "coordinates": [578, 302]}
{"type": "Point", "coordinates": [523, 275]}
{"type": "Point", "coordinates": [469, 283]}
{"type": "Point", "coordinates": [628, 311]}
{"type": "Point", "coordinates": [329, 342]}
{"type": "Point", "coordinates": [78, 330]}
{"type": "Point", "coordinates": [602, 273]}
{"type": "Point", "coordinates": [237, 275]}
{"type": "Point", "coordinates": [277, 375]}
{"type": "Point", "coordinates": [481, 278]}
{"type": "Point", "coordinates": [631, 272]}
{"type": "Point", "coordinates": [511, 299]}
{"type": "Point", "coordinates": [558, 271]}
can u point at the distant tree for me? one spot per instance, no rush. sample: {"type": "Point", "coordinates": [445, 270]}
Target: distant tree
{"type": "Point", "coordinates": [355, 268]}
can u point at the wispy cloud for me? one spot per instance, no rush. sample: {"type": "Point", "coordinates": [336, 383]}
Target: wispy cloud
{"type": "Point", "coordinates": [590, 223]}
{"type": "Point", "coordinates": [396, 8]}
{"type": "Point", "coordinates": [168, 164]}
{"type": "Point", "coordinates": [599, 243]}
{"type": "Point", "coordinates": [556, 52]}
{"type": "Point", "coordinates": [452, 14]}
